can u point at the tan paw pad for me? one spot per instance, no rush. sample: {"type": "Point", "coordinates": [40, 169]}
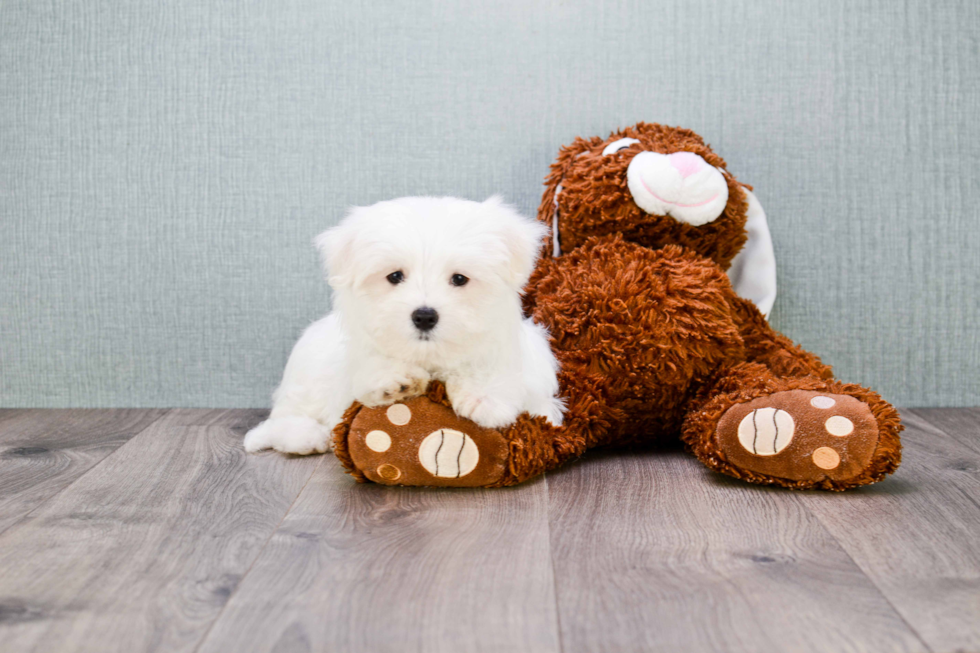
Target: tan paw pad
{"type": "Point", "coordinates": [839, 426]}
{"type": "Point", "coordinates": [399, 414]}
{"type": "Point", "coordinates": [420, 442]}
{"type": "Point", "coordinates": [799, 435]}
{"type": "Point", "coordinates": [389, 472]}
{"type": "Point", "coordinates": [826, 458]}
{"type": "Point", "coordinates": [378, 441]}
{"type": "Point", "coordinates": [823, 402]}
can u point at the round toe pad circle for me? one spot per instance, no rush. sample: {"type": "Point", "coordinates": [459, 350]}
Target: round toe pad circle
{"type": "Point", "coordinates": [766, 431]}
{"type": "Point", "coordinates": [448, 453]}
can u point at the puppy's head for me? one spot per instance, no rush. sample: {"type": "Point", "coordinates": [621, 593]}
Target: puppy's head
{"type": "Point", "coordinates": [423, 276]}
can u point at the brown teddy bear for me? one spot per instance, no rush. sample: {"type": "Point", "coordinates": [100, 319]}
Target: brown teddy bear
{"type": "Point", "coordinates": [652, 339]}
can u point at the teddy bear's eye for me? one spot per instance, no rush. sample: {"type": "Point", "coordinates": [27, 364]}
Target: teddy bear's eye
{"type": "Point", "coordinates": [396, 278]}
{"type": "Point", "coordinates": [616, 146]}
{"type": "Point", "coordinates": [459, 280]}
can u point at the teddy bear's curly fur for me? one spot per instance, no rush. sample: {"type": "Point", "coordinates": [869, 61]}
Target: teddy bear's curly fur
{"type": "Point", "coordinates": [653, 343]}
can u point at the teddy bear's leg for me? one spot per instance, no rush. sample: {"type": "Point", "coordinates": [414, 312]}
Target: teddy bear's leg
{"type": "Point", "coordinates": [767, 346]}
{"type": "Point", "coordinates": [800, 432]}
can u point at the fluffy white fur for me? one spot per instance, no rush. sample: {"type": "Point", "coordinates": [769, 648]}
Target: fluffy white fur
{"type": "Point", "coordinates": [495, 363]}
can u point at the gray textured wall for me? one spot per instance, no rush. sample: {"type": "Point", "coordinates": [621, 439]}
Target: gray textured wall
{"type": "Point", "coordinates": [164, 165]}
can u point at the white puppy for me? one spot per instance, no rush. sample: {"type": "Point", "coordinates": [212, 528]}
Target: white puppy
{"type": "Point", "coordinates": [423, 288]}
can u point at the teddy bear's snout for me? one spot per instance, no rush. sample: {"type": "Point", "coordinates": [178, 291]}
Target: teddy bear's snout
{"type": "Point", "coordinates": [682, 185]}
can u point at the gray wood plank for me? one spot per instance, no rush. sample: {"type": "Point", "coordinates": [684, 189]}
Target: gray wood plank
{"type": "Point", "coordinates": [374, 568]}
{"type": "Point", "coordinates": [142, 552]}
{"type": "Point", "coordinates": [917, 535]}
{"type": "Point", "coordinates": [44, 451]}
{"type": "Point", "coordinates": [653, 552]}
{"type": "Point", "coordinates": [962, 424]}
{"type": "Point", "coordinates": [10, 413]}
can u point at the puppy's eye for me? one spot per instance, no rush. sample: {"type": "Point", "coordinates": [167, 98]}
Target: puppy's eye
{"type": "Point", "coordinates": [459, 280]}
{"type": "Point", "coordinates": [396, 278]}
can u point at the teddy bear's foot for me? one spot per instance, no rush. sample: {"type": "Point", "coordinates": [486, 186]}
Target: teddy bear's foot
{"type": "Point", "coordinates": [799, 435]}
{"type": "Point", "coordinates": [421, 442]}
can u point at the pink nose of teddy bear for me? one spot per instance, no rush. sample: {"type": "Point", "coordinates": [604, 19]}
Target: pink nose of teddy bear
{"type": "Point", "coordinates": [686, 163]}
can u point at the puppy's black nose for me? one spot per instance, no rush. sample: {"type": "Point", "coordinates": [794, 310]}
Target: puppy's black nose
{"type": "Point", "coordinates": [425, 318]}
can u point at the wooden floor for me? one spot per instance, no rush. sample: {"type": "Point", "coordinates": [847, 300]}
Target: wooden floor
{"type": "Point", "coordinates": [151, 530]}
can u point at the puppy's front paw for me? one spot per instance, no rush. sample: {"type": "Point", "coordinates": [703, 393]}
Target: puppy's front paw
{"type": "Point", "coordinates": [405, 384]}
{"type": "Point", "coordinates": [488, 412]}
{"type": "Point", "coordinates": [553, 411]}
{"type": "Point", "coordinates": [296, 435]}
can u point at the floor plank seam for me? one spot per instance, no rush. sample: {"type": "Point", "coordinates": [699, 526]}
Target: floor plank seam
{"type": "Point", "coordinates": [88, 471]}
{"type": "Point", "coordinates": [551, 559]}
{"type": "Point", "coordinates": [258, 554]}
{"type": "Point", "coordinates": [871, 580]}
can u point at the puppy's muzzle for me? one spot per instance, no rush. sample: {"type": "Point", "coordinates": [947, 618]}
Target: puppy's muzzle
{"type": "Point", "coordinates": [425, 318]}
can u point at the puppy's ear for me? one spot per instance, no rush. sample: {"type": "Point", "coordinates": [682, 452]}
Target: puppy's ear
{"type": "Point", "coordinates": [521, 238]}
{"type": "Point", "coordinates": [335, 246]}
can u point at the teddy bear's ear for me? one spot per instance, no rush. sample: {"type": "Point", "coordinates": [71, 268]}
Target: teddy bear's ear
{"type": "Point", "coordinates": [552, 183]}
{"type": "Point", "coordinates": [753, 270]}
